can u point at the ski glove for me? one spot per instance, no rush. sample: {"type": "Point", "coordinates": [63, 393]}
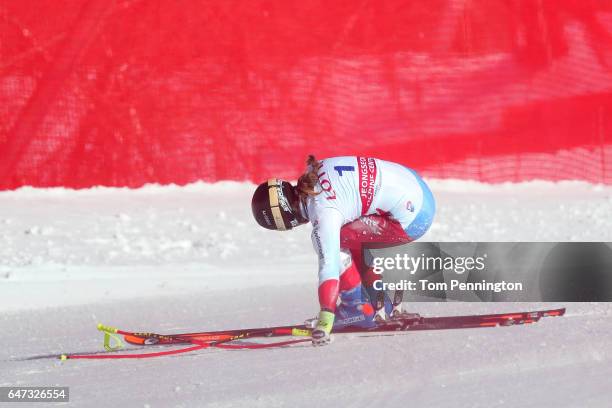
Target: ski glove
{"type": "Point", "coordinates": [321, 335]}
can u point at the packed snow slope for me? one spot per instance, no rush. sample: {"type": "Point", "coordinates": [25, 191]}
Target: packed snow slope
{"type": "Point", "coordinates": [189, 258]}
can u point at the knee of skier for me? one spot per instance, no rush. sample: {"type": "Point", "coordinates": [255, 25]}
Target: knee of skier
{"type": "Point", "coordinates": [349, 275]}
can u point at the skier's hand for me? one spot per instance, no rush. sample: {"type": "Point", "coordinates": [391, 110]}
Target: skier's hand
{"type": "Point", "coordinates": [321, 335]}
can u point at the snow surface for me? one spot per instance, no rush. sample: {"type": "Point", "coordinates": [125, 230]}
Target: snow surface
{"type": "Point", "coordinates": [189, 258]}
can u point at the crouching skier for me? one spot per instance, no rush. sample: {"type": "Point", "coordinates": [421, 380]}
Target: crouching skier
{"type": "Point", "coordinates": [350, 201]}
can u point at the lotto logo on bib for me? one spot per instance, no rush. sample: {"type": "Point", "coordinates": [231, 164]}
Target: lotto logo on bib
{"type": "Point", "coordinates": [367, 178]}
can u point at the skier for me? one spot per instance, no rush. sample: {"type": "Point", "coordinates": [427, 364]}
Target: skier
{"type": "Point", "coordinates": [350, 201]}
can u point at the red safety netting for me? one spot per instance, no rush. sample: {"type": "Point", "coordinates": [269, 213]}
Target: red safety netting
{"type": "Point", "coordinates": [126, 92]}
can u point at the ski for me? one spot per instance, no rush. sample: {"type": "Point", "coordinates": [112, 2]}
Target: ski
{"type": "Point", "coordinates": [399, 324]}
{"type": "Point", "coordinates": [224, 338]}
{"type": "Point", "coordinates": [144, 339]}
{"type": "Point", "coordinates": [460, 322]}
{"type": "Point", "coordinates": [201, 341]}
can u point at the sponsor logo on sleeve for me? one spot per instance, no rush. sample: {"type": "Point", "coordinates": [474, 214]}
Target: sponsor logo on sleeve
{"type": "Point", "coordinates": [317, 241]}
{"type": "Point", "coordinates": [367, 182]}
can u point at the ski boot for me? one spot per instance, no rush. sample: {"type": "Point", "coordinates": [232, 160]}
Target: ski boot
{"type": "Point", "coordinates": [385, 309]}
{"type": "Point", "coordinates": [353, 310]}
{"type": "Point", "coordinates": [381, 303]}
{"type": "Point", "coordinates": [398, 313]}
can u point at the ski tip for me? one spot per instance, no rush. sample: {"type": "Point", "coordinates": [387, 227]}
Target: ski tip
{"type": "Point", "coordinates": [63, 357]}
{"type": "Point", "coordinates": [555, 312]}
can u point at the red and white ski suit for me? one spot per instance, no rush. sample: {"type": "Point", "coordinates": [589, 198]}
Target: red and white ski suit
{"type": "Point", "coordinates": [362, 200]}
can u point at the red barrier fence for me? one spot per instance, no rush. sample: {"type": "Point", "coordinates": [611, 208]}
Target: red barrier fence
{"type": "Point", "coordinates": [125, 92]}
